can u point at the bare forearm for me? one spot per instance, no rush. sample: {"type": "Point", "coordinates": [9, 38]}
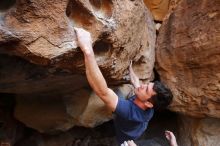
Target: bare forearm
{"type": "Point", "coordinates": [98, 83]}
{"type": "Point", "coordinates": [94, 75]}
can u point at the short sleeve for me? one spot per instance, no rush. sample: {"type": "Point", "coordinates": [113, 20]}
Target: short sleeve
{"type": "Point", "coordinates": [123, 108]}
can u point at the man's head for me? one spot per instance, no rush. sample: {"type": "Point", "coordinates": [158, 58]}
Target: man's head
{"type": "Point", "coordinates": [155, 95]}
{"type": "Point", "coordinates": [163, 96]}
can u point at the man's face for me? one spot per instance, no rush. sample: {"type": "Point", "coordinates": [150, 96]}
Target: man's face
{"type": "Point", "coordinates": [145, 91]}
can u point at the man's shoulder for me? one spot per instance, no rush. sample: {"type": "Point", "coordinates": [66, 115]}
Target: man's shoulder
{"type": "Point", "coordinates": [141, 115]}
{"type": "Point", "coordinates": [122, 102]}
{"type": "Point", "coordinates": [132, 97]}
{"type": "Point", "coordinates": [123, 108]}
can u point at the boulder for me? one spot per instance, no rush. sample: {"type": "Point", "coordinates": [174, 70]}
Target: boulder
{"type": "Point", "coordinates": [188, 56]}
{"type": "Point", "coordinates": [42, 32]}
{"type": "Point", "coordinates": [42, 64]}
{"type": "Point", "coordinates": [199, 131]}
{"type": "Point", "coordinates": [161, 8]}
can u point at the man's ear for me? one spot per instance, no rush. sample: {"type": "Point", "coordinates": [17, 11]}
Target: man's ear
{"type": "Point", "coordinates": [148, 104]}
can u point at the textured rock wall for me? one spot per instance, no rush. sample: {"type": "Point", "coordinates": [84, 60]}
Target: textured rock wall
{"type": "Point", "coordinates": [199, 132]}
{"type": "Point", "coordinates": [41, 64]}
{"type": "Point", "coordinates": [161, 8]}
{"type": "Point", "coordinates": [188, 57]}
{"type": "Point", "coordinates": [187, 60]}
{"type": "Point", "coordinates": [42, 32]}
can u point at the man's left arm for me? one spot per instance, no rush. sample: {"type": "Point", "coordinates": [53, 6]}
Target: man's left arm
{"type": "Point", "coordinates": [93, 73]}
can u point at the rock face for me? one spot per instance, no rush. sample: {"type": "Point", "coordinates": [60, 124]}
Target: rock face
{"type": "Point", "coordinates": [61, 112]}
{"type": "Point", "coordinates": [41, 64]}
{"type": "Point", "coordinates": [160, 8]}
{"type": "Point", "coordinates": [188, 56]}
{"type": "Point", "coordinates": [204, 132]}
{"type": "Point", "coordinates": [42, 32]}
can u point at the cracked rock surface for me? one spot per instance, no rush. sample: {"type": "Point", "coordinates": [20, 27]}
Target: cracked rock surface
{"type": "Point", "coordinates": [188, 57]}
{"type": "Point", "coordinates": [42, 65]}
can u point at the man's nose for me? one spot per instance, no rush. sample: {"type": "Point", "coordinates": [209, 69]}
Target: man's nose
{"type": "Point", "coordinates": [145, 85]}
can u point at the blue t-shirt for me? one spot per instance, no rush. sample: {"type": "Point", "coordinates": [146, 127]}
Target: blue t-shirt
{"type": "Point", "coordinates": [130, 120]}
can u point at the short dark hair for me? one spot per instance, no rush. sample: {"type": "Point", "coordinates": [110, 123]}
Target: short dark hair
{"type": "Point", "coordinates": [163, 96]}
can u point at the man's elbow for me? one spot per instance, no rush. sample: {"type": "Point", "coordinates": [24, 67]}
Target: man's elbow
{"type": "Point", "coordinates": [102, 93]}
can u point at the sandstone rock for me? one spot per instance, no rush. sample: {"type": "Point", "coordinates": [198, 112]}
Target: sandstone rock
{"type": "Point", "coordinates": [188, 57]}
{"type": "Point", "coordinates": [41, 64]}
{"type": "Point", "coordinates": [58, 111]}
{"type": "Point", "coordinates": [47, 113]}
{"type": "Point", "coordinates": [160, 8]}
{"type": "Point", "coordinates": [50, 99]}
{"type": "Point", "coordinates": [18, 76]}
{"type": "Point", "coordinates": [201, 132]}
{"type": "Point", "coordinates": [42, 33]}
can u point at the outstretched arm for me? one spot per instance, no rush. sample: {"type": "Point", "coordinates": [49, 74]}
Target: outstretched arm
{"type": "Point", "coordinates": [134, 78]}
{"type": "Point", "coordinates": [93, 73]}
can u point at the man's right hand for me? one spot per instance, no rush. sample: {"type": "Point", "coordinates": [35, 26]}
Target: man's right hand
{"type": "Point", "coordinates": [128, 143]}
{"type": "Point", "coordinates": [171, 138]}
{"type": "Point", "coordinates": [84, 40]}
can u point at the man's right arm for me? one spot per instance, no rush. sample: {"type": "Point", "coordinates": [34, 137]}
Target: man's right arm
{"type": "Point", "coordinates": [171, 138]}
{"type": "Point", "coordinates": [93, 73]}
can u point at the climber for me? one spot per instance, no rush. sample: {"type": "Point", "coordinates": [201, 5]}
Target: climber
{"type": "Point", "coordinates": [131, 116]}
